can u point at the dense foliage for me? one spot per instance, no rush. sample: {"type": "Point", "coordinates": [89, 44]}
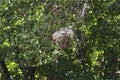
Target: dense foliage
{"type": "Point", "coordinates": [27, 51]}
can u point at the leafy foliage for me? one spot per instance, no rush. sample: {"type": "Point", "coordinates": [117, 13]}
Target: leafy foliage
{"type": "Point", "coordinates": [27, 51]}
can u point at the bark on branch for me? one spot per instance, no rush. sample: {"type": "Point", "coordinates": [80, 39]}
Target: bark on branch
{"type": "Point", "coordinates": [5, 70]}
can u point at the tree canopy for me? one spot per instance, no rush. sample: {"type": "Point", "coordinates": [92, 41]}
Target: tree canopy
{"type": "Point", "coordinates": [27, 51]}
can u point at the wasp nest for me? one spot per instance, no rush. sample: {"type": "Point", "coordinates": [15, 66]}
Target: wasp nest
{"type": "Point", "coordinates": [62, 37]}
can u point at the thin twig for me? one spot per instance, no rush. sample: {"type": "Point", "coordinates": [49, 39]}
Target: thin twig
{"type": "Point", "coordinates": [82, 12]}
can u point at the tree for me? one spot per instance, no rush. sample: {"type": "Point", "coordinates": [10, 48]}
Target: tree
{"type": "Point", "coordinates": [27, 51]}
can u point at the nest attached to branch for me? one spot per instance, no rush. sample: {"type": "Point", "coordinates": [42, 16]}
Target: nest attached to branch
{"type": "Point", "coordinates": [62, 37]}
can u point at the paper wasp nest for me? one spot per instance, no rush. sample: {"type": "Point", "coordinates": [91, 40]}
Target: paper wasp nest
{"type": "Point", "coordinates": [62, 37]}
